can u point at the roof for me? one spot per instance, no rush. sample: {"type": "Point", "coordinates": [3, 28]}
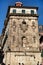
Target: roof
{"type": "Point", "coordinates": [34, 7]}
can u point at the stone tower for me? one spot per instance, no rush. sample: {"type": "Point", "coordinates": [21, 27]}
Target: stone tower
{"type": "Point", "coordinates": [21, 37]}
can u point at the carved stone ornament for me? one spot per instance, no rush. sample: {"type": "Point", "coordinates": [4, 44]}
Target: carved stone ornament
{"type": "Point", "coordinates": [14, 26]}
{"type": "Point", "coordinates": [23, 26]}
{"type": "Point", "coordinates": [33, 26]}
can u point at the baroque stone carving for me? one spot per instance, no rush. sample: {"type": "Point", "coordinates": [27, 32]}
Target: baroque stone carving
{"type": "Point", "coordinates": [34, 39]}
{"type": "Point", "coordinates": [33, 26]}
{"type": "Point", "coordinates": [24, 26]}
{"type": "Point", "coordinates": [14, 26]}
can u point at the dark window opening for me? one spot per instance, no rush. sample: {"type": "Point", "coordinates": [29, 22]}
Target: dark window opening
{"type": "Point", "coordinates": [32, 11]}
{"type": "Point", "coordinates": [14, 11]}
{"type": "Point", "coordinates": [23, 11]}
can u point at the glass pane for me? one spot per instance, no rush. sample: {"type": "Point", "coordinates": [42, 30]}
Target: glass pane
{"type": "Point", "coordinates": [23, 11]}
{"type": "Point", "coordinates": [14, 11]}
{"type": "Point", "coordinates": [32, 11]}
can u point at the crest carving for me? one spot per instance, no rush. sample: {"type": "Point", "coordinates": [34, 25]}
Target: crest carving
{"type": "Point", "coordinates": [23, 26]}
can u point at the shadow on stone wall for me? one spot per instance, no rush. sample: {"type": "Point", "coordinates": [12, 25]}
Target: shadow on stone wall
{"type": "Point", "coordinates": [1, 57]}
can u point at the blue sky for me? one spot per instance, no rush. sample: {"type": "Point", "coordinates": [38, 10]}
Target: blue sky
{"type": "Point", "coordinates": [4, 7]}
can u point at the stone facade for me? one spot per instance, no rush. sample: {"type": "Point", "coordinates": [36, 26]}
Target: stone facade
{"type": "Point", "coordinates": [21, 37]}
{"type": "Point", "coordinates": [22, 57]}
{"type": "Point", "coordinates": [16, 33]}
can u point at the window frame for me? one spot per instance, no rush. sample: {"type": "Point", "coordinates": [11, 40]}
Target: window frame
{"type": "Point", "coordinates": [14, 10]}
{"type": "Point", "coordinates": [32, 12]}
{"type": "Point", "coordinates": [23, 11]}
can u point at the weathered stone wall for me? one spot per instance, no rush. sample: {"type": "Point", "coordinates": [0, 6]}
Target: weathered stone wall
{"type": "Point", "coordinates": [22, 42]}
{"type": "Point", "coordinates": [13, 58]}
{"type": "Point", "coordinates": [16, 32]}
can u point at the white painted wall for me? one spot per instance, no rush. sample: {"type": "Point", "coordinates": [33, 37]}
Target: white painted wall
{"type": "Point", "coordinates": [19, 10]}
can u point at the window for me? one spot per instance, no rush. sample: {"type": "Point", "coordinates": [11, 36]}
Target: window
{"type": "Point", "coordinates": [23, 11]}
{"type": "Point", "coordinates": [32, 11]}
{"type": "Point", "coordinates": [14, 11]}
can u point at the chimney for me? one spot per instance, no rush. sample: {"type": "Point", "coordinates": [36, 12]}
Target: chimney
{"type": "Point", "coordinates": [18, 4]}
